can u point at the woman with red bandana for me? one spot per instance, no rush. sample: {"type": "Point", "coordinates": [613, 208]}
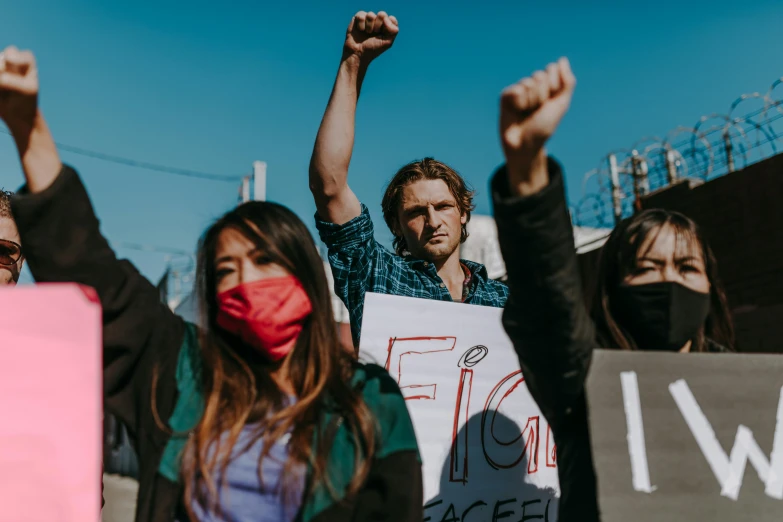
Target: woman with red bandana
{"type": "Point", "coordinates": [258, 414]}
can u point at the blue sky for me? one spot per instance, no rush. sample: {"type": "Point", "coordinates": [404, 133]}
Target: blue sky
{"type": "Point", "coordinates": [213, 86]}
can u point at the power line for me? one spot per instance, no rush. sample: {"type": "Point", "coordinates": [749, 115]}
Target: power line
{"type": "Point", "coordinates": [170, 254]}
{"type": "Point", "coordinates": [142, 164]}
{"type": "Point", "coordinates": [152, 248]}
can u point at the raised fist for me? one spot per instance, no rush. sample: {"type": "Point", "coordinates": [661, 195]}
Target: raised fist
{"type": "Point", "coordinates": [369, 35]}
{"type": "Point", "coordinates": [18, 89]}
{"type": "Point", "coordinates": [531, 110]}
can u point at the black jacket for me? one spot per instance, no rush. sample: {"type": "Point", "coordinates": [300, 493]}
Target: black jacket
{"type": "Point", "coordinates": [553, 335]}
{"type": "Point", "coordinates": [142, 338]}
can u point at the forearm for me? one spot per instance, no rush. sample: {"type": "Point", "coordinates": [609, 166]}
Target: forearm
{"type": "Point", "coordinates": [528, 175]}
{"type": "Point", "coordinates": [334, 143]}
{"type": "Point", "coordinates": [37, 153]}
{"type": "Point", "coordinates": [545, 317]}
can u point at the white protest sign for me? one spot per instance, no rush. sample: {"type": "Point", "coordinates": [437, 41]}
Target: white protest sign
{"type": "Point", "coordinates": [487, 451]}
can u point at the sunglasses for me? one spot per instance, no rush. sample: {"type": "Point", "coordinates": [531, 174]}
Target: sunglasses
{"type": "Point", "coordinates": [10, 252]}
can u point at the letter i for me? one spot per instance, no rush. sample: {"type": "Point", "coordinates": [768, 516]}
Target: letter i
{"type": "Point", "coordinates": [459, 439]}
{"type": "Point", "coordinates": [636, 445]}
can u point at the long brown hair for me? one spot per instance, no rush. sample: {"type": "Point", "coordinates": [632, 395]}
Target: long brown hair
{"type": "Point", "coordinates": [427, 168]}
{"type": "Point", "coordinates": [238, 388]}
{"type": "Point", "coordinates": [618, 259]}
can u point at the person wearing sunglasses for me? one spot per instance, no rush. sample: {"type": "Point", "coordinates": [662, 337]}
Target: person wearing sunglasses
{"type": "Point", "coordinates": [11, 258]}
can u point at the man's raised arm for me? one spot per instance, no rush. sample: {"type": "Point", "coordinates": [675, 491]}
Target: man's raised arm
{"type": "Point", "coordinates": [367, 37]}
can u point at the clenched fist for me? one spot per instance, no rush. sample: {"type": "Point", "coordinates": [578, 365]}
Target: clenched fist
{"type": "Point", "coordinates": [18, 89]}
{"type": "Point", "coordinates": [19, 111]}
{"type": "Point", "coordinates": [369, 35]}
{"type": "Point", "coordinates": [530, 111]}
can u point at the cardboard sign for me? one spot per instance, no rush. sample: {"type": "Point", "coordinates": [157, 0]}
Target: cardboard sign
{"type": "Point", "coordinates": [488, 453]}
{"type": "Point", "coordinates": [50, 404]}
{"type": "Point", "coordinates": [687, 437]}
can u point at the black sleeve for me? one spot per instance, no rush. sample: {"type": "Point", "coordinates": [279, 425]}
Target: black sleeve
{"type": "Point", "coordinates": [545, 315]}
{"type": "Point", "coordinates": [62, 242]}
{"type": "Point", "coordinates": [394, 490]}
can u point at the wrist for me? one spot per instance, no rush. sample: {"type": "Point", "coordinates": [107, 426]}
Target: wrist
{"type": "Point", "coordinates": [352, 61]}
{"type": "Point", "coordinates": [22, 129]}
{"type": "Point", "coordinates": [527, 173]}
{"type": "Point", "coordinates": [352, 71]}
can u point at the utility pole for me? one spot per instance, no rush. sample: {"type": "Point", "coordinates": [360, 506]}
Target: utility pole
{"type": "Point", "coordinates": [617, 193]}
{"type": "Point", "coordinates": [671, 165]}
{"type": "Point", "coordinates": [641, 183]}
{"type": "Point", "coordinates": [259, 184]}
{"type": "Point", "coordinates": [259, 180]}
{"type": "Point", "coordinates": [244, 190]}
{"type": "Point", "coordinates": [729, 151]}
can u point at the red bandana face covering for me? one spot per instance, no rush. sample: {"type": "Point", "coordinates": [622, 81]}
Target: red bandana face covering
{"type": "Point", "coordinates": [267, 314]}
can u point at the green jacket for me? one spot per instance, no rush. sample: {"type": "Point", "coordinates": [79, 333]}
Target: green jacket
{"type": "Point", "coordinates": [145, 343]}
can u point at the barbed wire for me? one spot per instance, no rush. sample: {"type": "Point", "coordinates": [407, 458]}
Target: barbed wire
{"type": "Point", "coordinates": [718, 144]}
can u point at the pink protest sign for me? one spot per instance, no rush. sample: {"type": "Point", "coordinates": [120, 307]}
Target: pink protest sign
{"type": "Point", "coordinates": [50, 404]}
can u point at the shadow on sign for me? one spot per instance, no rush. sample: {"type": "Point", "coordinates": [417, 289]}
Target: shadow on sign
{"type": "Point", "coordinates": [493, 494]}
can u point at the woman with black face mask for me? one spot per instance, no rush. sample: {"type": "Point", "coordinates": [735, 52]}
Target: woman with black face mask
{"type": "Point", "coordinates": [657, 285]}
{"type": "Point", "coordinates": [658, 288]}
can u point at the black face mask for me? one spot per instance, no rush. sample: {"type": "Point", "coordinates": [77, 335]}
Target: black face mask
{"type": "Point", "coordinates": [661, 316]}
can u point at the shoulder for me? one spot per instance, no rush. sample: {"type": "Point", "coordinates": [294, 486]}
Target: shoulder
{"type": "Point", "coordinates": [376, 383]}
{"type": "Point", "coordinates": [499, 286]}
{"type": "Point", "coordinates": [384, 399]}
{"type": "Point", "coordinates": [498, 290]}
{"type": "Point", "coordinates": [480, 272]}
{"type": "Point", "coordinates": [493, 290]}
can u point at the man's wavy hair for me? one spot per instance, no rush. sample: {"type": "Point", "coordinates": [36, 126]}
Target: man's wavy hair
{"type": "Point", "coordinates": [426, 168]}
{"type": "Point", "coordinates": [5, 203]}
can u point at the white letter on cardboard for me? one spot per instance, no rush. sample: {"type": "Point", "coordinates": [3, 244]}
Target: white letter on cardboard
{"type": "Point", "coordinates": [636, 445]}
{"type": "Point", "coordinates": [729, 470]}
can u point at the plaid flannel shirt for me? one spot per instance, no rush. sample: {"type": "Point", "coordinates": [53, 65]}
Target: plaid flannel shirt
{"type": "Point", "coordinates": [360, 264]}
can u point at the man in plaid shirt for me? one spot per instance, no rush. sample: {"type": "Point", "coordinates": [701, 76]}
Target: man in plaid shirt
{"type": "Point", "coordinates": [426, 206]}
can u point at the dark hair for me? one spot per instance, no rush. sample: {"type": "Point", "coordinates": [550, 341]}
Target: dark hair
{"type": "Point", "coordinates": [427, 168]}
{"type": "Point", "coordinates": [5, 203]}
{"type": "Point", "coordinates": [237, 382]}
{"type": "Point", "coordinates": [618, 259]}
